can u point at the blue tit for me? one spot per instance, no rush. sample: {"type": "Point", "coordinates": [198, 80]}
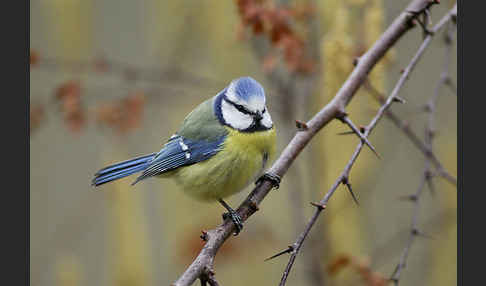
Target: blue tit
{"type": "Point", "coordinates": [221, 147]}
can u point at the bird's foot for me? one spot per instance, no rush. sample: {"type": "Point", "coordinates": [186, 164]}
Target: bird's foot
{"type": "Point", "coordinates": [236, 219]}
{"type": "Point", "coordinates": [274, 179]}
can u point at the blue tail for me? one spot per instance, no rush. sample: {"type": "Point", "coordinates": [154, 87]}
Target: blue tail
{"type": "Point", "coordinates": [122, 169]}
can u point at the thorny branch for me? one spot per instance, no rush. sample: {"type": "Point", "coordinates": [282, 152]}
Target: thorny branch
{"type": "Point", "coordinates": [419, 144]}
{"type": "Point", "coordinates": [427, 174]}
{"type": "Point", "coordinates": [343, 178]}
{"type": "Point", "coordinates": [335, 108]}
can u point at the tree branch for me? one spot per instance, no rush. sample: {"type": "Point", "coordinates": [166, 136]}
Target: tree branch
{"type": "Point", "coordinates": [343, 178]}
{"type": "Point", "coordinates": [216, 237]}
{"type": "Point", "coordinates": [405, 127]}
{"type": "Point", "coordinates": [427, 174]}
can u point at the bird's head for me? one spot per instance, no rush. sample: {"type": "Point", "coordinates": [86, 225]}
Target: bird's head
{"type": "Point", "coordinates": [242, 106]}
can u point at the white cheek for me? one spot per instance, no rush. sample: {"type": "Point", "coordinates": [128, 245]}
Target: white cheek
{"type": "Point", "coordinates": [235, 118]}
{"type": "Point", "coordinates": [267, 120]}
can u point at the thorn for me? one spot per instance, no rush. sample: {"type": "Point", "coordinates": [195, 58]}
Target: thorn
{"type": "Point", "coordinates": [399, 99]}
{"type": "Point", "coordinates": [288, 250]}
{"type": "Point", "coordinates": [341, 115]}
{"type": "Point", "coordinates": [395, 271]}
{"type": "Point", "coordinates": [454, 18]}
{"type": "Point", "coordinates": [345, 181]}
{"type": "Point", "coordinates": [204, 236]}
{"type": "Point", "coordinates": [301, 126]}
{"type": "Point", "coordinates": [362, 129]}
{"type": "Point", "coordinates": [402, 71]}
{"type": "Point", "coordinates": [447, 80]}
{"type": "Point", "coordinates": [345, 133]}
{"type": "Point", "coordinates": [451, 85]}
{"type": "Point", "coordinates": [415, 231]}
{"type": "Point", "coordinates": [419, 233]}
{"type": "Point", "coordinates": [360, 132]}
{"type": "Point", "coordinates": [318, 205]}
{"type": "Point", "coordinates": [447, 39]}
{"type": "Point", "coordinates": [355, 61]}
{"type": "Point", "coordinates": [412, 198]}
{"type": "Point", "coordinates": [431, 133]}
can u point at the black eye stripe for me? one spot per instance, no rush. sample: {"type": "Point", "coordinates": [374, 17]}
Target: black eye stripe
{"type": "Point", "coordinates": [240, 108]}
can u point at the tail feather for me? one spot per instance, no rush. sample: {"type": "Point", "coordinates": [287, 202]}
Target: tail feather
{"type": "Point", "coordinates": [125, 164]}
{"type": "Point", "coordinates": [122, 169]}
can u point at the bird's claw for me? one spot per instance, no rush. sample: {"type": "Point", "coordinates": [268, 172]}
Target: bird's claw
{"type": "Point", "coordinates": [274, 179]}
{"type": "Point", "coordinates": [236, 219]}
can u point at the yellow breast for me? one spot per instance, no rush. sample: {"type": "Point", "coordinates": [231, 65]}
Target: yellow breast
{"type": "Point", "coordinates": [239, 163]}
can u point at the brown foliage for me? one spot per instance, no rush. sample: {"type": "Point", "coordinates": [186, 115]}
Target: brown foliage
{"type": "Point", "coordinates": [274, 23]}
{"type": "Point", "coordinates": [69, 95]}
{"type": "Point", "coordinates": [361, 266]}
{"type": "Point", "coordinates": [37, 115]}
{"type": "Point", "coordinates": [124, 115]}
{"type": "Point", "coordinates": [34, 57]}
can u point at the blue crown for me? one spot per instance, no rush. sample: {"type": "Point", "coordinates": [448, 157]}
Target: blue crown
{"type": "Point", "coordinates": [246, 87]}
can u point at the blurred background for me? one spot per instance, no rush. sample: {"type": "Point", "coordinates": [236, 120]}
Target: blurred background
{"type": "Point", "coordinates": [113, 79]}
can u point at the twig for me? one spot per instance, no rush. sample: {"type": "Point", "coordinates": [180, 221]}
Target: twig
{"type": "Point", "coordinates": [345, 119]}
{"type": "Point", "coordinates": [415, 198]}
{"type": "Point", "coordinates": [344, 176]}
{"type": "Point", "coordinates": [405, 127]}
{"type": "Point", "coordinates": [427, 174]}
{"type": "Point", "coordinates": [414, 232]}
{"type": "Point", "coordinates": [218, 235]}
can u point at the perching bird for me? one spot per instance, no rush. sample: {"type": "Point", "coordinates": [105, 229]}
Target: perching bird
{"type": "Point", "coordinates": [222, 146]}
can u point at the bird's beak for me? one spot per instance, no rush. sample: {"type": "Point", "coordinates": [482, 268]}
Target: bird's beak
{"type": "Point", "coordinates": [258, 116]}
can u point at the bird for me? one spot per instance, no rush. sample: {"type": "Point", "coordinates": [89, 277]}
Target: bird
{"type": "Point", "coordinates": [221, 147]}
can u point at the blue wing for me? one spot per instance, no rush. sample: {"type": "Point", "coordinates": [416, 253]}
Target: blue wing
{"type": "Point", "coordinates": [178, 152]}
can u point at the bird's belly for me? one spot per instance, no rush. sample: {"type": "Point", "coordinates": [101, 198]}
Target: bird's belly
{"type": "Point", "coordinates": [219, 177]}
{"type": "Point", "coordinates": [228, 172]}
